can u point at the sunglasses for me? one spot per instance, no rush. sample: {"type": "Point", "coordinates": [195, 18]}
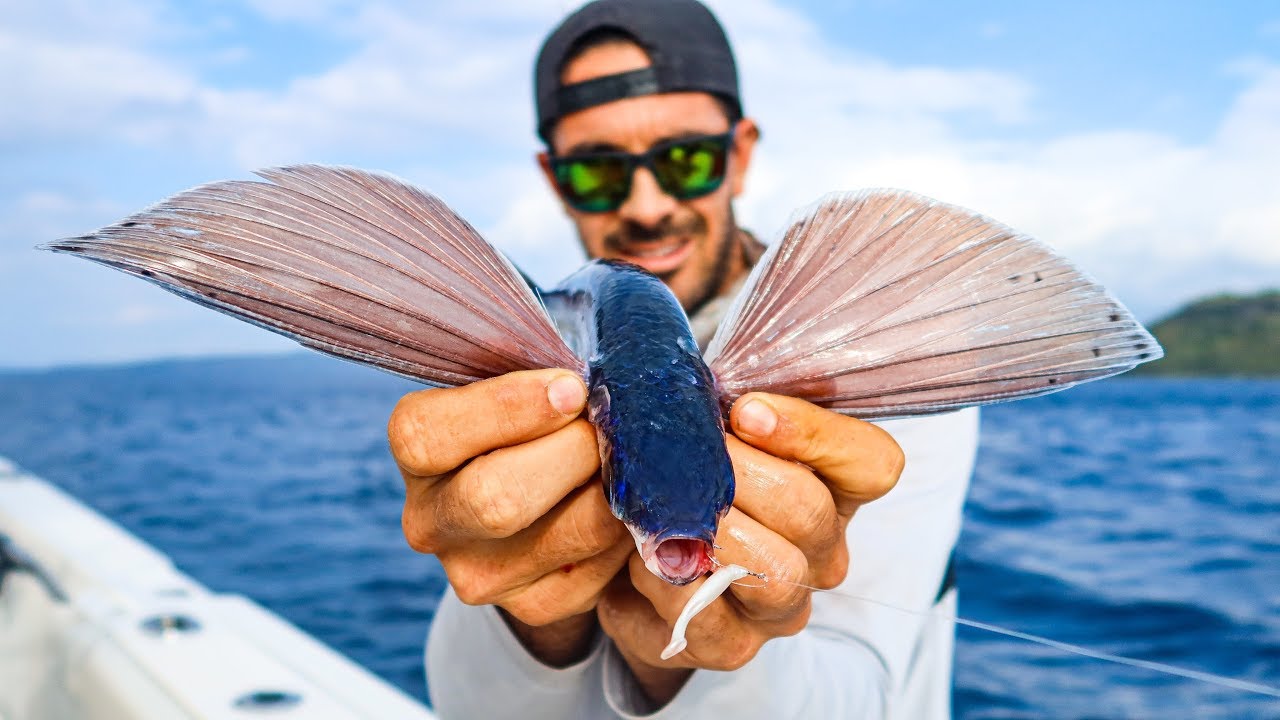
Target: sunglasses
{"type": "Point", "coordinates": [685, 168]}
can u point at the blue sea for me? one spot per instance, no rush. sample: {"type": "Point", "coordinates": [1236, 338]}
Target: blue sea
{"type": "Point", "coordinates": [1135, 517]}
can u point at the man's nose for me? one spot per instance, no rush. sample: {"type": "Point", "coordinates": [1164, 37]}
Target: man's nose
{"type": "Point", "coordinates": [647, 205]}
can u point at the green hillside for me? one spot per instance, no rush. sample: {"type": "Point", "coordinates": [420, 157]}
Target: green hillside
{"type": "Point", "coordinates": [1221, 335]}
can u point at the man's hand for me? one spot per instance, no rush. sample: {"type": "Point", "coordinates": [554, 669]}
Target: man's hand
{"type": "Point", "coordinates": [496, 476]}
{"type": "Point", "coordinates": [802, 472]}
{"type": "Point", "coordinates": [497, 486]}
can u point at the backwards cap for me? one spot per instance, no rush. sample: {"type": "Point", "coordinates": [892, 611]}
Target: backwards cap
{"type": "Point", "coordinates": [684, 41]}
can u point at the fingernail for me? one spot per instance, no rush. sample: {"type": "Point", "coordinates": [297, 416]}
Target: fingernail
{"type": "Point", "coordinates": [757, 419]}
{"type": "Point", "coordinates": [567, 395]}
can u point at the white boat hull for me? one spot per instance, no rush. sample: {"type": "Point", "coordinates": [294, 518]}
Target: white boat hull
{"type": "Point", "coordinates": [136, 638]}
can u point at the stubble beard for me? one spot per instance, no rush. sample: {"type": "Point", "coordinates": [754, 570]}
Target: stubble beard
{"type": "Point", "coordinates": [693, 227]}
{"type": "Point", "coordinates": [719, 269]}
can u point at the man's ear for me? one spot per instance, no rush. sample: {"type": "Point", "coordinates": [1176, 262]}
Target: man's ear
{"type": "Point", "coordinates": [544, 162]}
{"type": "Point", "coordinates": [744, 143]}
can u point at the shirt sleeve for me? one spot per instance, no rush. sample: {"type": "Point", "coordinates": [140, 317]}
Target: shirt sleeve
{"type": "Point", "coordinates": [870, 649]}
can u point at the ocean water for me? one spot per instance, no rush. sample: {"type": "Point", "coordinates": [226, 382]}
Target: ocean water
{"type": "Point", "coordinates": [1135, 517]}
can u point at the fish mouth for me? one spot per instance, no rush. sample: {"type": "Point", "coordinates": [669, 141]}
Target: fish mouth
{"type": "Point", "coordinates": [679, 559]}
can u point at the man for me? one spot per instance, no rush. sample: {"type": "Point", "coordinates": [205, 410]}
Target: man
{"type": "Point", "coordinates": [551, 613]}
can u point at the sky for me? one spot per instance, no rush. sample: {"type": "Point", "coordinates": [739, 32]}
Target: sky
{"type": "Point", "coordinates": [1140, 139]}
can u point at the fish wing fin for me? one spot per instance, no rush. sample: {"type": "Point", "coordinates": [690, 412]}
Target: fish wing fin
{"type": "Point", "coordinates": [886, 303]}
{"type": "Point", "coordinates": [350, 263]}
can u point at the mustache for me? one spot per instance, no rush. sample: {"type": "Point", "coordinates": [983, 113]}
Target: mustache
{"type": "Point", "coordinates": [631, 233]}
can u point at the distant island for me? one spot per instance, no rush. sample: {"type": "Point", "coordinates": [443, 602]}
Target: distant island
{"type": "Point", "coordinates": [1221, 335]}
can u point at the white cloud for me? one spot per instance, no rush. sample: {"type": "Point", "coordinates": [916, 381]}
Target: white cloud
{"type": "Point", "coordinates": [439, 93]}
{"type": "Point", "coordinates": [534, 232]}
{"type": "Point", "coordinates": [325, 12]}
{"type": "Point", "coordinates": [60, 90]}
{"type": "Point", "coordinates": [125, 22]}
{"type": "Point", "coordinates": [418, 80]}
{"type": "Point", "coordinates": [782, 58]}
{"type": "Point", "coordinates": [1157, 220]}
{"type": "Point", "coordinates": [39, 215]}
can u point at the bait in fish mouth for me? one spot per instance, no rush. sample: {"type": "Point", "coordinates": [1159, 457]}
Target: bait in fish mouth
{"type": "Point", "coordinates": [874, 304]}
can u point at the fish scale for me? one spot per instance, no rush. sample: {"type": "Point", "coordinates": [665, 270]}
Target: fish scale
{"type": "Point", "coordinates": [654, 404]}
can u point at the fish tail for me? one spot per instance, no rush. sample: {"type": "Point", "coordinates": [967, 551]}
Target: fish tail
{"type": "Point", "coordinates": [886, 303]}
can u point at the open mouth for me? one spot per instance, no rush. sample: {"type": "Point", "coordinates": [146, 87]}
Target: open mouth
{"type": "Point", "coordinates": [678, 560]}
{"type": "Point", "coordinates": [682, 560]}
{"type": "Point", "coordinates": [659, 256]}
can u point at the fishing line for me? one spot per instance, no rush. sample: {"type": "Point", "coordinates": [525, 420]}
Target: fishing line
{"type": "Point", "coordinates": [1158, 667]}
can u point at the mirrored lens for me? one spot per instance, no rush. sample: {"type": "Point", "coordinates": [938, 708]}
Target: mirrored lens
{"type": "Point", "coordinates": [594, 184]}
{"type": "Point", "coordinates": [690, 169]}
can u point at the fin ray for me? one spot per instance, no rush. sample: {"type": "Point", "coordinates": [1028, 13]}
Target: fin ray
{"type": "Point", "coordinates": [348, 262]}
{"type": "Point", "coordinates": [886, 303]}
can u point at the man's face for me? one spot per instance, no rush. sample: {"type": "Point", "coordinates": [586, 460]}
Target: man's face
{"type": "Point", "coordinates": [690, 244]}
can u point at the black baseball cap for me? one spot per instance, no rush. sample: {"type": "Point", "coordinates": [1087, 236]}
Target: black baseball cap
{"type": "Point", "coordinates": [684, 41]}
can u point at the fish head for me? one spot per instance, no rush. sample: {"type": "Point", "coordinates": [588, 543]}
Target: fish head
{"type": "Point", "coordinates": [669, 478]}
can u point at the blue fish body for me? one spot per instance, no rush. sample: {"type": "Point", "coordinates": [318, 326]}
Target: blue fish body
{"type": "Point", "coordinates": [654, 403]}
